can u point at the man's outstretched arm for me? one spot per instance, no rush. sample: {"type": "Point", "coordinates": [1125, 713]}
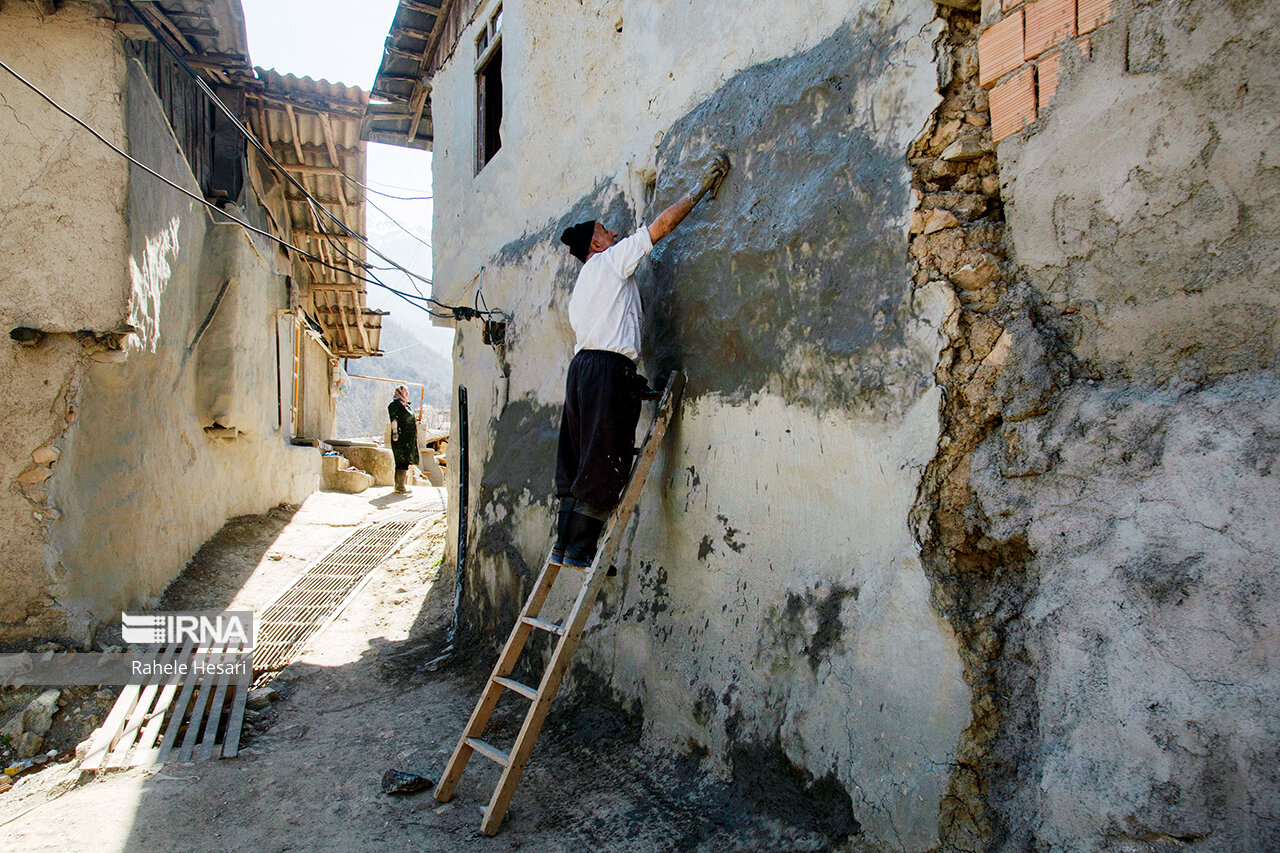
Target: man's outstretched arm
{"type": "Point", "coordinates": [675, 214]}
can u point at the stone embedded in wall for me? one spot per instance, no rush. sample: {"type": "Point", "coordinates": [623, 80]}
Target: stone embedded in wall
{"type": "Point", "coordinates": [45, 455]}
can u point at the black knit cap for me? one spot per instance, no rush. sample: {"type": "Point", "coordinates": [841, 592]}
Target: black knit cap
{"type": "Point", "coordinates": [578, 239]}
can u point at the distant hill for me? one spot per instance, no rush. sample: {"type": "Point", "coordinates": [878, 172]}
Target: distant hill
{"type": "Point", "coordinates": [362, 408]}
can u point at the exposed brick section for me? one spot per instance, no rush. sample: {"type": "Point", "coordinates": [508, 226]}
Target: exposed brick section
{"type": "Point", "coordinates": [1092, 14]}
{"type": "Point", "coordinates": [1006, 5]}
{"type": "Point", "coordinates": [1047, 71]}
{"type": "Point", "coordinates": [1047, 23]}
{"type": "Point", "coordinates": [1000, 49]}
{"type": "Point", "coordinates": [1013, 104]}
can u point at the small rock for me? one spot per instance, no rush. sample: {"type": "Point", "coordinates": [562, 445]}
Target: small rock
{"type": "Point", "coordinates": [399, 782]}
{"type": "Point", "coordinates": [13, 729]}
{"type": "Point", "coordinates": [38, 716]}
{"type": "Point", "coordinates": [50, 647]}
{"type": "Point", "coordinates": [938, 219]}
{"type": "Point", "coordinates": [965, 149]}
{"type": "Point", "coordinates": [34, 475]}
{"type": "Point", "coordinates": [82, 749]}
{"type": "Point", "coordinates": [28, 744]}
{"type": "Point", "coordinates": [45, 455]}
{"type": "Point", "coordinates": [970, 277]}
{"type": "Point", "coordinates": [261, 698]}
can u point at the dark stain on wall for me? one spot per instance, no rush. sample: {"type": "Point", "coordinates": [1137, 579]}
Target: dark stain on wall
{"type": "Point", "coordinates": [791, 626]}
{"type": "Point", "coordinates": [522, 460]}
{"type": "Point", "coordinates": [803, 250]}
{"type": "Point", "coordinates": [772, 782]}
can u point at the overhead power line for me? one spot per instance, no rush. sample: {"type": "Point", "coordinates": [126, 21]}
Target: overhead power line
{"type": "Point", "coordinates": [413, 299]}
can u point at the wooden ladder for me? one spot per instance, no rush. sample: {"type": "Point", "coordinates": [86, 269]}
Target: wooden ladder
{"type": "Point", "coordinates": [513, 763]}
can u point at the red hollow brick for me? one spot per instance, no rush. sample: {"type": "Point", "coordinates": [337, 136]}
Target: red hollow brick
{"type": "Point", "coordinates": [1013, 104]}
{"type": "Point", "coordinates": [1000, 49]}
{"type": "Point", "coordinates": [1048, 22]}
{"type": "Point", "coordinates": [1006, 5]}
{"type": "Point", "coordinates": [1092, 14]}
{"type": "Point", "coordinates": [1048, 70]}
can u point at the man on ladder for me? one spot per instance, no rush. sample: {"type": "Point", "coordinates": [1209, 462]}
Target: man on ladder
{"type": "Point", "coordinates": [602, 405]}
{"type": "Point", "coordinates": [603, 391]}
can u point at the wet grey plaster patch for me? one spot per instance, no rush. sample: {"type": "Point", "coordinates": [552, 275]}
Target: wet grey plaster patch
{"type": "Point", "coordinates": [795, 278]}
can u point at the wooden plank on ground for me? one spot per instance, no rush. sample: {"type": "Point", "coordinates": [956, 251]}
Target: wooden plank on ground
{"type": "Point", "coordinates": [106, 736]}
{"type": "Point", "coordinates": [215, 709]}
{"type": "Point", "coordinates": [151, 731]}
{"type": "Point", "coordinates": [231, 740]}
{"type": "Point", "coordinates": [120, 753]}
{"type": "Point", "coordinates": [212, 658]}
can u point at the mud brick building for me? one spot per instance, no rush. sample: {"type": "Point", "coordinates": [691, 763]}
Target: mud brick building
{"type": "Point", "coordinates": [162, 364]}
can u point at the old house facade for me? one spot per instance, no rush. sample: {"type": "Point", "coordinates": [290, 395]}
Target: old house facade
{"type": "Point", "coordinates": [165, 368]}
{"type": "Point", "coordinates": [967, 530]}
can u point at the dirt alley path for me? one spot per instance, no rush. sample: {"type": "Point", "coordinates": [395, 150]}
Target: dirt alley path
{"type": "Point", "coordinates": [360, 701]}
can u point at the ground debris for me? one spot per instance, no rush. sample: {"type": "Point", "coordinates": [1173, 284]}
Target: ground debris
{"type": "Point", "coordinates": [399, 782]}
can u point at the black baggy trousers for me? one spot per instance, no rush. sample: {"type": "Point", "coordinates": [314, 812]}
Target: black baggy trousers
{"type": "Point", "coordinates": [598, 427]}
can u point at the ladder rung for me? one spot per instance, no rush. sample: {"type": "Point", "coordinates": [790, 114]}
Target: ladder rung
{"type": "Point", "coordinates": [568, 566]}
{"type": "Point", "coordinates": [545, 626]}
{"type": "Point", "coordinates": [490, 752]}
{"type": "Point", "coordinates": [523, 689]}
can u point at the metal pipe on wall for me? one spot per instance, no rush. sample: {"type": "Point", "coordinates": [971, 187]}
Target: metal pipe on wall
{"type": "Point", "coordinates": [462, 510]}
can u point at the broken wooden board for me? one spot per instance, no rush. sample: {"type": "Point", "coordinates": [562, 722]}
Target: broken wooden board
{"type": "Point", "coordinates": [199, 715]}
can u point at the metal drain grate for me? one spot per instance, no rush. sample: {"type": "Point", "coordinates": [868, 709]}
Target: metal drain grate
{"type": "Point", "coordinates": [317, 595]}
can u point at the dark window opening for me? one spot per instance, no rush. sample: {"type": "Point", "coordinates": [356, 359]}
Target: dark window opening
{"type": "Point", "coordinates": [489, 106]}
{"type": "Point", "coordinates": [489, 89]}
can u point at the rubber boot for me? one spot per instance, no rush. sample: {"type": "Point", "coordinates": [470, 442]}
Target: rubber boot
{"type": "Point", "coordinates": [563, 518]}
{"type": "Point", "coordinates": [402, 475]}
{"type": "Point", "coordinates": [581, 539]}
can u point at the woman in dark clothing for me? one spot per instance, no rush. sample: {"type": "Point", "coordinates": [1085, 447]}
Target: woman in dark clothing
{"type": "Point", "coordinates": [404, 436]}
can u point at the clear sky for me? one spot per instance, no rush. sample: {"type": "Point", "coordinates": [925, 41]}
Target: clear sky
{"type": "Point", "coordinates": [341, 41]}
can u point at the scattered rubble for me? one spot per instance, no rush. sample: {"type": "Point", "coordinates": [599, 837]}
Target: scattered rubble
{"type": "Point", "coordinates": [399, 782]}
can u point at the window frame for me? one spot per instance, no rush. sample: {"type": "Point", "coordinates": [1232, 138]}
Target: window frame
{"type": "Point", "coordinates": [488, 44]}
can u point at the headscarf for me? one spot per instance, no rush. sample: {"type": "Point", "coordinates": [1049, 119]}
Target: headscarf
{"type": "Point", "coordinates": [402, 394]}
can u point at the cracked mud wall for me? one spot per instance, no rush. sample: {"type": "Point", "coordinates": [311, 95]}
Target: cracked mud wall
{"type": "Point", "coordinates": [63, 269]}
{"type": "Point", "coordinates": [771, 612]}
{"type": "Point", "coordinates": [105, 437]}
{"type": "Point", "coordinates": [1099, 523]}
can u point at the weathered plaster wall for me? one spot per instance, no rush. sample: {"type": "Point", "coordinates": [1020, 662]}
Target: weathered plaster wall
{"type": "Point", "coordinates": [771, 611]}
{"type": "Point", "coordinates": [63, 269]}
{"type": "Point", "coordinates": [57, 276]}
{"type": "Point", "coordinates": [1124, 499]}
{"type": "Point", "coordinates": [138, 485]}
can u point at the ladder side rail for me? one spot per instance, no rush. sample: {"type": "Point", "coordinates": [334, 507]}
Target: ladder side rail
{"type": "Point", "coordinates": [581, 611]}
{"type": "Point", "coordinates": [493, 690]}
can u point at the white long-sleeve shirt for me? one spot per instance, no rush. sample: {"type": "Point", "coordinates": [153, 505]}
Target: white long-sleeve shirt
{"type": "Point", "coordinates": [604, 309]}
